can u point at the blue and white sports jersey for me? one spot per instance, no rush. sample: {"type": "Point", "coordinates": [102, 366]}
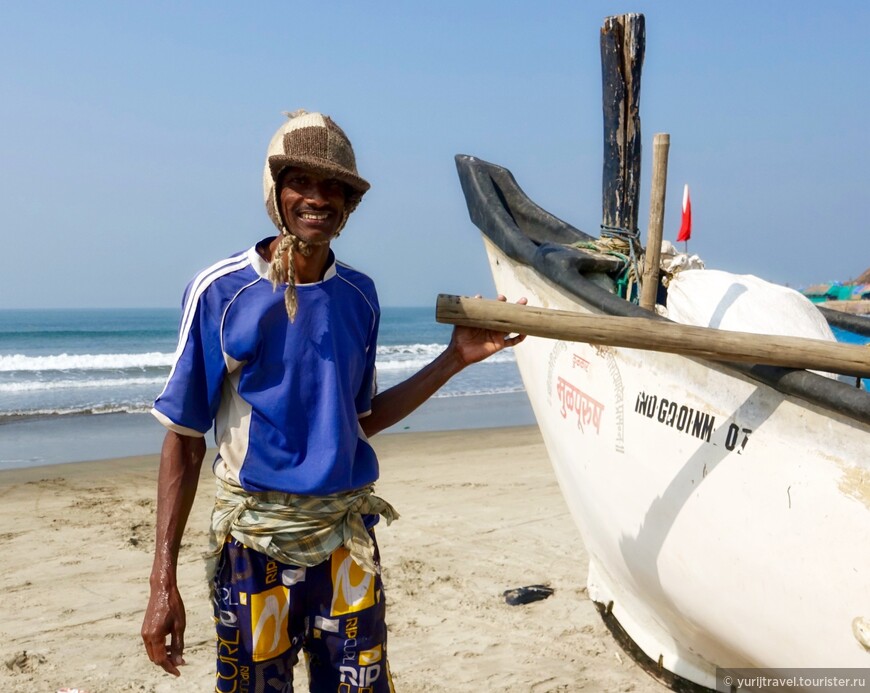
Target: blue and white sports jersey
{"type": "Point", "coordinates": [285, 398]}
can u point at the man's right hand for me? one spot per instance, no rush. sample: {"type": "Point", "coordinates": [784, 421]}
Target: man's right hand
{"type": "Point", "coordinates": [164, 618]}
{"type": "Point", "coordinates": [180, 462]}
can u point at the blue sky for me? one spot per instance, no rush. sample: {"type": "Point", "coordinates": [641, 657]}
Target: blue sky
{"type": "Point", "coordinates": [133, 134]}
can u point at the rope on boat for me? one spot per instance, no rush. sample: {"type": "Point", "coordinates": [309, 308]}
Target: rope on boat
{"type": "Point", "coordinates": [624, 244]}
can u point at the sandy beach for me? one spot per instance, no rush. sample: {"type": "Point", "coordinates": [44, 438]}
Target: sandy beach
{"type": "Point", "coordinates": [481, 513]}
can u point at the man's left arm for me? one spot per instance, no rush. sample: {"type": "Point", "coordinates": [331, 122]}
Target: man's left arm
{"type": "Point", "coordinates": [467, 345]}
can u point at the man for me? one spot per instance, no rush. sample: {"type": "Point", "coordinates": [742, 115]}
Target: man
{"type": "Point", "coordinates": [287, 379]}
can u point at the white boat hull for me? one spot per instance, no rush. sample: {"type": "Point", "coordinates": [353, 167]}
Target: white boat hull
{"type": "Point", "coordinates": [727, 524]}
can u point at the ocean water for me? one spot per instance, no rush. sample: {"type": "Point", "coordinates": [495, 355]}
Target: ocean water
{"type": "Point", "coordinates": [77, 384]}
{"type": "Point", "coordinates": [73, 362]}
{"type": "Point", "coordinates": [61, 363]}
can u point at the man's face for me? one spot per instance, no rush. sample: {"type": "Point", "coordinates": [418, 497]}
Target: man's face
{"type": "Point", "coordinates": [312, 204]}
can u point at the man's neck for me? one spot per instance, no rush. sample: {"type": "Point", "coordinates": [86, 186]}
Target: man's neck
{"type": "Point", "coordinates": [312, 268]}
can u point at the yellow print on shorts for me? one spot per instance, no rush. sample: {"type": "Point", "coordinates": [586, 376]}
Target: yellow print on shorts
{"type": "Point", "coordinates": [269, 627]}
{"type": "Point", "coordinates": [369, 657]}
{"type": "Point", "coordinates": [353, 589]}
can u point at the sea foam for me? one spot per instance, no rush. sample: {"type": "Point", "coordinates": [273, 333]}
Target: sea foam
{"type": "Point", "coordinates": [67, 362]}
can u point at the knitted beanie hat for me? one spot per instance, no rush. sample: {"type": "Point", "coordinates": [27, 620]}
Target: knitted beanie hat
{"type": "Point", "coordinates": [311, 141]}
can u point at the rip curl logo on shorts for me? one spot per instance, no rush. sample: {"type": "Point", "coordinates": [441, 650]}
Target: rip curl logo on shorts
{"type": "Point", "coordinates": [353, 589]}
{"type": "Point", "coordinates": [269, 627]}
{"type": "Point", "coordinates": [358, 681]}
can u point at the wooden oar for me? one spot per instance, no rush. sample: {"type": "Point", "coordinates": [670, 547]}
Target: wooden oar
{"type": "Point", "coordinates": [655, 335]}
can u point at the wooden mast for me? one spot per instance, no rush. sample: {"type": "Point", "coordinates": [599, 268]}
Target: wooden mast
{"type": "Point", "coordinates": [623, 41]}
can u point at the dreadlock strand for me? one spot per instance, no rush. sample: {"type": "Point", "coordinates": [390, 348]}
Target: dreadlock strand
{"type": "Point", "coordinates": [282, 270]}
{"type": "Point", "coordinates": [277, 265]}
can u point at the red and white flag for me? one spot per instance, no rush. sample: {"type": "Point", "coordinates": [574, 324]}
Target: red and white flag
{"type": "Point", "coordinates": [686, 225]}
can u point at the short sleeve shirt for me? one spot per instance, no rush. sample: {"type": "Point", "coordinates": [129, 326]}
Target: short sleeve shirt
{"type": "Point", "coordinates": [285, 398]}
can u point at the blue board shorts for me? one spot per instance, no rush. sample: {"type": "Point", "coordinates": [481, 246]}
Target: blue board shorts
{"type": "Point", "coordinates": [267, 611]}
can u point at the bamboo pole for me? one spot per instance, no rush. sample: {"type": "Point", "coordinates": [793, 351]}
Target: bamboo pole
{"type": "Point", "coordinates": [655, 335]}
{"type": "Point", "coordinates": [649, 288]}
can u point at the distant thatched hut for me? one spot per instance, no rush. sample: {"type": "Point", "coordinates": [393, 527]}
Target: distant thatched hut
{"type": "Point", "coordinates": [852, 296]}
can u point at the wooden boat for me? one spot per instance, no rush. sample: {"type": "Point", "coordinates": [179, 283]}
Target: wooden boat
{"type": "Point", "coordinates": [725, 508]}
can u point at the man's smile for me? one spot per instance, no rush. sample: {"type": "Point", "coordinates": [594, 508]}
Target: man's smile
{"type": "Point", "coordinates": [315, 216]}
